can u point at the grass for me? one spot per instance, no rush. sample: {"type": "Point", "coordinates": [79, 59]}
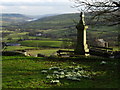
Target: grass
{"type": "Point", "coordinates": [116, 48]}
{"type": "Point", "coordinates": [14, 48]}
{"type": "Point", "coordinates": [25, 72]}
{"type": "Point", "coordinates": [33, 51]}
{"type": "Point", "coordinates": [41, 43]}
{"type": "Point", "coordinates": [46, 52]}
{"type": "Point", "coordinates": [17, 34]}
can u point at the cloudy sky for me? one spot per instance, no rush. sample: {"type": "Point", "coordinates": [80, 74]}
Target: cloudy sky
{"type": "Point", "coordinates": [37, 7]}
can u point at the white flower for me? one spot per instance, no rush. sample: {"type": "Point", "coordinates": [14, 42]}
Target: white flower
{"type": "Point", "coordinates": [103, 62]}
{"type": "Point", "coordinates": [44, 71]}
{"type": "Point", "coordinates": [73, 78]}
{"type": "Point", "coordinates": [61, 69]}
{"type": "Point", "coordinates": [55, 81]}
{"type": "Point", "coordinates": [73, 63]}
{"type": "Point", "coordinates": [70, 67]}
{"type": "Point", "coordinates": [54, 68]}
{"type": "Point", "coordinates": [76, 79]}
{"type": "Point", "coordinates": [69, 77]}
{"type": "Point", "coordinates": [49, 77]}
{"type": "Point", "coordinates": [68, 72]}
{"type": "Point", "coordinates": [57, 76]}
{"type": "Point", "coordinates": [61, 76]}
{"type": "Point", "coordinates": [65, 70]}
{"type": "Point", "coordinates": [85, 76]}
{"type": "Point", "coordinates": [78, 74]}
{"type": "Point", "coordinates": [62, 73]}
{"type": "Point", "coordinates": [55, 72]}
{"type": "Point", "coordinates": [81, 72]}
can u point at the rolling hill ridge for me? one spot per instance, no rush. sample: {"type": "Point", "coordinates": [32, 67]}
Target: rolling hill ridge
{"type": "Point", "coordinates": [8, 19]}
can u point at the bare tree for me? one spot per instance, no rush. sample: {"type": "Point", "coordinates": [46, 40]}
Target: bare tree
{"type": "Point", "coordinates": [108, 9]}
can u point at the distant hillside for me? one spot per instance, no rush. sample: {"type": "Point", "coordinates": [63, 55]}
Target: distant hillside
{"type": "Point", "coordinates": [52, 22]}
{"type": "Point", "coordinates": [8, 19]}
{"type": "Point", "coordinates": [63, 26]}
{"type": "Point", "coordinates": [43, 15]}
{"type": "Point", "coordinates": [53, 26]}
{"type": "Point", "coordinates": [61, 21]}
{"type": "Point", "coordinates": [13, 15]}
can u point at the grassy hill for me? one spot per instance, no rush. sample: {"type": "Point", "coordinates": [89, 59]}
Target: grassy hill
{"type": "Point", "coordinates": [8, 19]}
{"type": "Point", "coordinates": [26, 72]}
{"type": "Point", "coordinates": [52, 22]}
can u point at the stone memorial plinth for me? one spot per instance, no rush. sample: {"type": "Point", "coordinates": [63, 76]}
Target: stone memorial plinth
{"type": "Point", "coordinates": [81, 46]}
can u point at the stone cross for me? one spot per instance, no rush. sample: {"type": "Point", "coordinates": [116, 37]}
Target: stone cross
{"type": "Point", "coordinates": [81, 46]}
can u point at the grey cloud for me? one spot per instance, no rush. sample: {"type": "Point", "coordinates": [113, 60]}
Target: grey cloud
{"type": "Point", "coordinates": [35, 4]}
{"type": "Point", "coordinates": [37, 8]}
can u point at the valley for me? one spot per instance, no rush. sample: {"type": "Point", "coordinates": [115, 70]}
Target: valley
{"type": "Point", "coordinates": [58, 27]}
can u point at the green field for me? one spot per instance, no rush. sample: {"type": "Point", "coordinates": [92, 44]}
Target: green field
{"type": "Point", "coordinates": [46, 52]}
{"type": "Point", "coordinates": [41, 43]}
{"type": "Point", "coordinates": [15, 48]}
{"type": "Point", "coordinates": [25, 72]}
{"type": "Point", "coordinates": [33, 51]}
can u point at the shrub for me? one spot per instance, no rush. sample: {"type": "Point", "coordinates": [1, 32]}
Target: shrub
{"type": "Point", "coordinates": [12, 53]}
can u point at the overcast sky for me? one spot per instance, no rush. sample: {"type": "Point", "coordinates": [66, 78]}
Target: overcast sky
{"type": "Point", "coordinates": [37, 7]}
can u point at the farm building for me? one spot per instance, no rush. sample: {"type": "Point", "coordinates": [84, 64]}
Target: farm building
{"type": "Point", "coordinates": [101, 43]}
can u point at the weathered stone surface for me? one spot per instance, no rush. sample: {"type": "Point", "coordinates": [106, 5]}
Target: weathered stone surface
{"type": "Point", "coordinates": [81, 47]}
